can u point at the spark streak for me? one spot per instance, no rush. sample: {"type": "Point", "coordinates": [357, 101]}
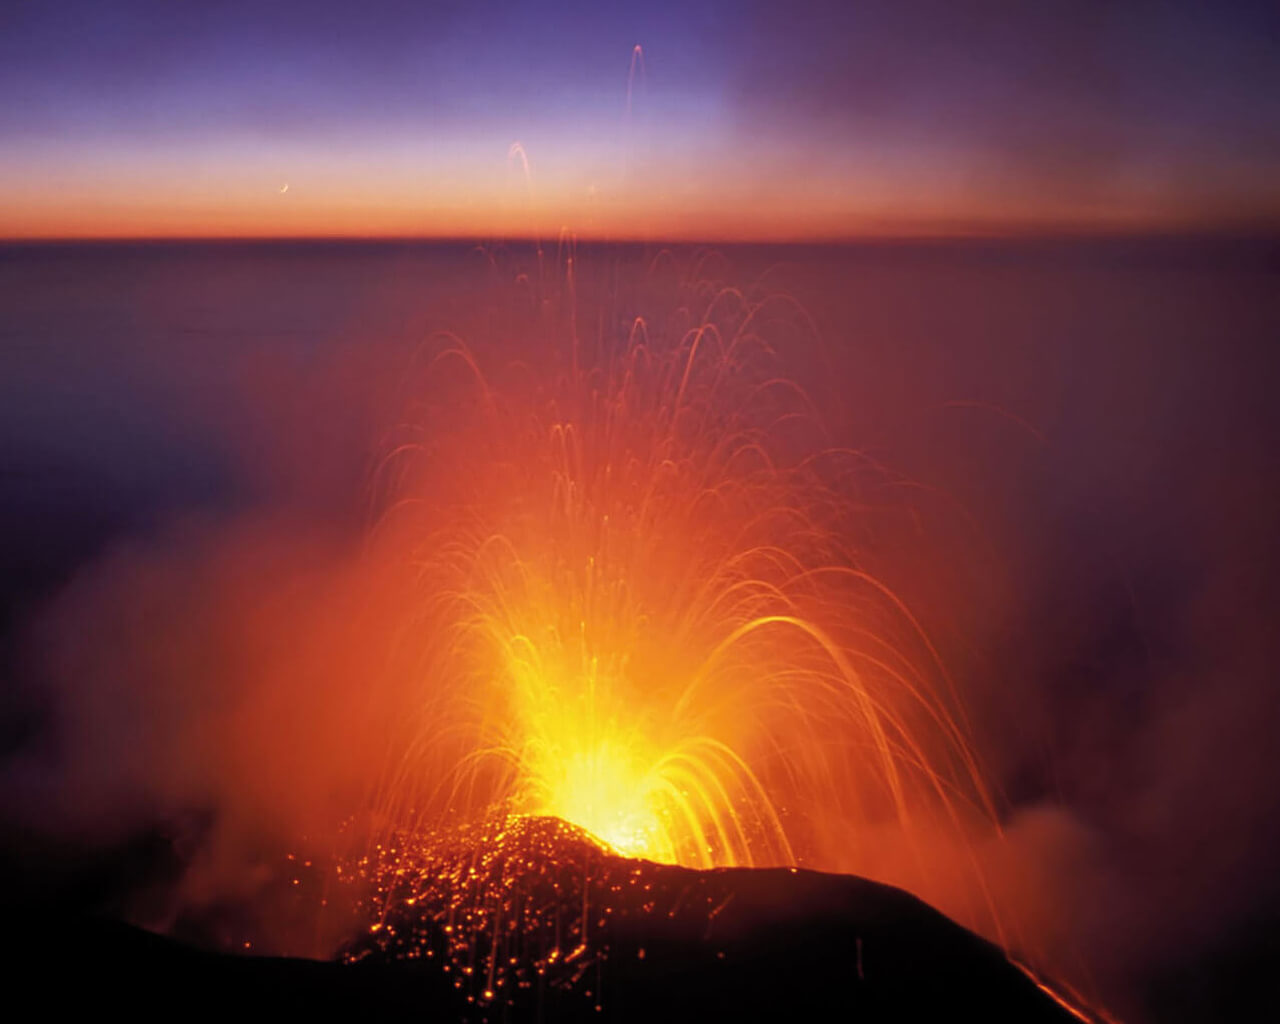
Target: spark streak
{"type": "Point", "coordinates": [638, 605]}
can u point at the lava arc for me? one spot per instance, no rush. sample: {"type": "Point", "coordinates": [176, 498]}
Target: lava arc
{"type": "Point", "coordinates": [638, 600]}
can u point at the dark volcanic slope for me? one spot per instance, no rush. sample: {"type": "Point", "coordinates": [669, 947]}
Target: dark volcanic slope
{"type": "Point", "coordinates": [528, 920]}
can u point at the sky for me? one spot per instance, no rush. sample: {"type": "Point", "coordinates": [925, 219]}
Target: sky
{"type": "Point", "coordinates": [723, 121]}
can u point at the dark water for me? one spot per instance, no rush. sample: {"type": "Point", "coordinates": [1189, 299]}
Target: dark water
{"type": "Point", "coordinates": [1095, 422]}
{"type": "Point", "coordinates": [127, 372]}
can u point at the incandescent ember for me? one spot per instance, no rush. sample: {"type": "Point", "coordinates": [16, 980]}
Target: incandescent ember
{"type": "Point", "coordinates": [534, 918]}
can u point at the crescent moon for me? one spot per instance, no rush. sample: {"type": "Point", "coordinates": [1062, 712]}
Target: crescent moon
{"type": "Point", "coordinates": [284, 188]}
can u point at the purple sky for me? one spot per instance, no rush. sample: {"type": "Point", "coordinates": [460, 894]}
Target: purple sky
{"type": "Point", "coordinates": [747, 120]}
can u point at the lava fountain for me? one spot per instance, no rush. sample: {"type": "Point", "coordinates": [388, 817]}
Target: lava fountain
{"type": "Point", "coordinates": [638, 600]}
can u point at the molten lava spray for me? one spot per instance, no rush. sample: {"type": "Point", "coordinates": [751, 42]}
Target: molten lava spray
{"type": "Point", "coordinates": [638, 598]}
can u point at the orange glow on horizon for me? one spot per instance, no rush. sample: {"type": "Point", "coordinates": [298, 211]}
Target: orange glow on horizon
{"type": "Point", "coordinates": [518, 198]}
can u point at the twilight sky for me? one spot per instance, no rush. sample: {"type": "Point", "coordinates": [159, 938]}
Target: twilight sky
{"type": "Point", "coordinates": [745, 120]}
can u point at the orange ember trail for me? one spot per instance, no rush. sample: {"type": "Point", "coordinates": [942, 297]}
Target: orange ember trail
{"type": "Point", "coordinates": [1092, 1015]}
{"type": "Point", "coordinates": [638, 603]}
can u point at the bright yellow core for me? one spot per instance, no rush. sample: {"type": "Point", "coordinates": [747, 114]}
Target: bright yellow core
{"type": "Point", "coordinates": [605, 789]}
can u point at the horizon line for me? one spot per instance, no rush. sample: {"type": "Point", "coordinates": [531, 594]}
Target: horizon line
{"type": "Point", "coordinates": [1224, 233]}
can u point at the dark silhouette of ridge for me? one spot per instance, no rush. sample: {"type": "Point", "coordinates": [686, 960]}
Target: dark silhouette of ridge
{"type": "Point", "coordinates": [661, 943]}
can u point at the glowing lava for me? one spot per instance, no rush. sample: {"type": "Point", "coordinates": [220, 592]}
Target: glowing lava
{"type": "Point", "coordinates": [638, 603]}
{"type": "Point", "coordinates": [530, 918]}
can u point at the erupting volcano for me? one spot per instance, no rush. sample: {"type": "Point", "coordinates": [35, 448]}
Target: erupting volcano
{"type": "Point", "coordinates": [639, 603]}
{"type": "Point", "coordinates": [637, 606]}
{"type": "Point", "coordinates": [632, 716]}
{"type": "Point", "coordinates": [664, 511]}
